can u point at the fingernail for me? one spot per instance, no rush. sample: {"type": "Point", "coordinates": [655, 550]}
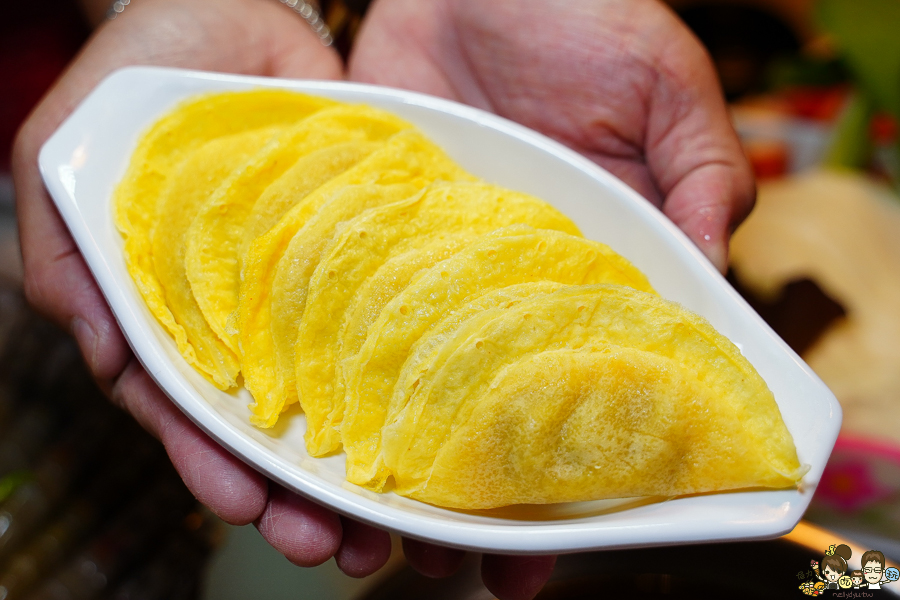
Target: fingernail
{"type": "Point", "coordinates": [87, 339]}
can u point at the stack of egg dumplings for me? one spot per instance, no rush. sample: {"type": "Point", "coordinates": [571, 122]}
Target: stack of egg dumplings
{"type": "Point", "coordinates": [461, 342]}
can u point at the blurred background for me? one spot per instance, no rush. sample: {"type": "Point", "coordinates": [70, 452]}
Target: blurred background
{"type": "Point", "coordinates": [814, 89]}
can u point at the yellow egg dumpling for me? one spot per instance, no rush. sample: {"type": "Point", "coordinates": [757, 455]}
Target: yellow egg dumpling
{"type": "Point", "coordinates": [514, 254]}
{"type": "Point", "coordinates": [306, 175]}
{"type": "Point", "coordinates": [378, 289]}
{"type": "Point", "coordinates": [212, 260]}
{"type": "Point", "coordinates": [461, 342]}
{"type": "Point", "coordinates": [161, 150]}
{"type": "Point", "coordinates": [188, 188]}
{"type": "Point", "coordinates": [424, 352]}
{"type": "Point", "coordinates": [270, 320]}
{"type": "Point", "coordinates": [463, 371]}
{"type": "Point", "coordinates": [407, 160]}
{"type": "Point", "coordinates": [444, 209]}
{"type": "Point", "coordinates": [609, 422]}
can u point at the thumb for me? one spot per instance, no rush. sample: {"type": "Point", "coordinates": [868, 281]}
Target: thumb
{"type": "Point", "coordinates": [694, 153]}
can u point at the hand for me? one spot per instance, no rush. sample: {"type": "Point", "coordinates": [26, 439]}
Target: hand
{"type": "Point", "coordinates": [245, 36]}
{"type": "Point", "coordinates": [621, 81]}
{"type": "Point", "coordinates": [255, 36]}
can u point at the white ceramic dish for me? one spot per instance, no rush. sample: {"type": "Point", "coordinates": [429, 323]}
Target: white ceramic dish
{"type": "Point", "coordinates": [88, 155]}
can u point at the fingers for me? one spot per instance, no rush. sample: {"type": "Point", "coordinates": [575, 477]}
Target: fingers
{"type": "Point", "coordinates": [507, 577]}
{"type": "Point", "coordinates": [364, 549]}
{"type": "Point", "coordinates": [692, 149]}
{"type": "Point", "coordinates": [516, 577]}
{"type": "Point", "coordinates": [708, 203]}
{"type": "Point", "coordinates": [57, 281]}
{"type": "Point", "coordinates": [705, 179]}
{"type": "Point", "coordinates": [306, 533]}
{"type": "Point", "coordinates": [431, 560]}
{"type": "Point", "coordinates": [230, 488]}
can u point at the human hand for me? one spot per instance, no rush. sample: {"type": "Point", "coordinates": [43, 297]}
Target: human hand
{"type": "Point", "coordinates": [244, 36]}
{"type": "Point", "coordinates": [622, 81]}
{"type": "Point", "coordinates": [254, 36]}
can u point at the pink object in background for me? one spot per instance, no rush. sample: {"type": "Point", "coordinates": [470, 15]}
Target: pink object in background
{"type": "Point", "coordinates": [860, 489]}
{"type": "Point", "coordinates": [852, 481]}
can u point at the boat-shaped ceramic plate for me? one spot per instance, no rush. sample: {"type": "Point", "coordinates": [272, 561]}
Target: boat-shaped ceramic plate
{"type": "Point", "coordinates": [86, 157]}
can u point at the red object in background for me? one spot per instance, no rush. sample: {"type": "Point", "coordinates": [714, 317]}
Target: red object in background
{"type": "Point", "coordinates": [883, 129]}
{"type": "Point", "coordinates": [37, 41]}
{"type": "Point", "coordinates": [817, 103]}
{"type": "Point", "coordinates": [768, 158]}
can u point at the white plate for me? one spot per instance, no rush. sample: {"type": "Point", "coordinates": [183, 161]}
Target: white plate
{"type": "Point", "coordinates": [88, 155]}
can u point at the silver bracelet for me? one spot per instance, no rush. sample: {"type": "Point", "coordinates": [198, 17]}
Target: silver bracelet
{"type": "Point", "coordinates": [311, 16]}
{"type": "Point", "coordinates": [306, 11]}
{"type": "Point", "coordinates": [115, 8]}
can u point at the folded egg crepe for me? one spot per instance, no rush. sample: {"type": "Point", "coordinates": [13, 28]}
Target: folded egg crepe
{"type": "Point", "coordinates": [515, 254]}
{"type": "Point", "coordinates": [606, 422]}
{"type": "Point", "coordinates": [213, 259]}
{"type": "Point", "coordinates": [441, 211]}
{"type": "Point", "coordinates": [269, 328]}
{"type": "Point", "coordinates": [407, 159]}
{"type": "Point", "coordinates": [188, 188]}
{"type": "Point", "coordinates": [683, 358]}
{"type": "Point", "coordinates": [461, 342]}
{"type": "Point", "coordinates": [162, 149]}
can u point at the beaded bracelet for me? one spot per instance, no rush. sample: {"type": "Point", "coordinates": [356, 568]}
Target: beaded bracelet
{"type": "Point", "coordinates": [306, 11]}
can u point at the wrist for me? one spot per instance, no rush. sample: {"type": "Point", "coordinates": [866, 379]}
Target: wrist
{"type": "Point", "coordinates": [309, 11]}
{"type": "Point", "coordinates": [306, 10]}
